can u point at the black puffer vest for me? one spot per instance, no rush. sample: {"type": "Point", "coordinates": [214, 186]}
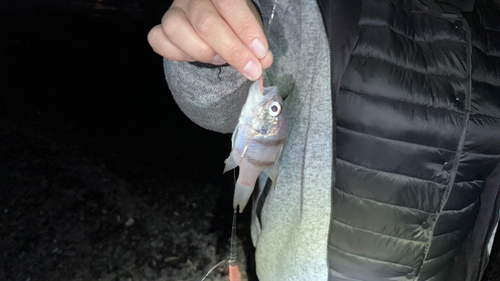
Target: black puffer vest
{"type": "Point", "coordinates": [417, 134]}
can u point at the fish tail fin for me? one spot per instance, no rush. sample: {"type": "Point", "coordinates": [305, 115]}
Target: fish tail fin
{"type": "Point", "coordinates": [242, 194]}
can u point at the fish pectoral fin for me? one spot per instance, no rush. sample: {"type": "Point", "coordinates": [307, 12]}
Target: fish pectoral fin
{"type": "Point", "coordinates": [230, 163]}
{"type": "Point", "coordinates": [272, 172]}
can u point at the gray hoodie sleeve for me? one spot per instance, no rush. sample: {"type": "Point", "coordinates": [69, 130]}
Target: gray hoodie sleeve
{"type": "Point", "coordinates": [210, 97]}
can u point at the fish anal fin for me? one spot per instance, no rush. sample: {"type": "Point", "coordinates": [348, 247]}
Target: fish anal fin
{"type": "Point", "coordinates": [272, 172]}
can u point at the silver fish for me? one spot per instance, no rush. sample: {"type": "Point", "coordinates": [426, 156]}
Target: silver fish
{"type": "Point", "coordinates": [257, 141]}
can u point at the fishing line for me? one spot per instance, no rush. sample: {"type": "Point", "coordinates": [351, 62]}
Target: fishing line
{"type": "Point", "coordinates": [213, 268]}
{"type": "Point", "coordinates": [269, 22]}
{"type": "Point", "coordinates": [233, 251]}
{"type": "Point", "coordinates": [232, 248]}
{"type": "Point", "coordinates": [271, 18]}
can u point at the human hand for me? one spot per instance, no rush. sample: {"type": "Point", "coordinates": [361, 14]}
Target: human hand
{"type": "Point", "coordinates": [216, 32]}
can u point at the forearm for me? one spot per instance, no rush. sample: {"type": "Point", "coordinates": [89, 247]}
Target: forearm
{"type": "Point", "coordinates": [210, 97]}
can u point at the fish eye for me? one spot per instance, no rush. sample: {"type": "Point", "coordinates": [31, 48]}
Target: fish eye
{"type": "Point", "coordinates": [274, 109]}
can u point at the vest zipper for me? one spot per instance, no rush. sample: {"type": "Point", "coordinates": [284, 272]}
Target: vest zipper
{"type": "Point", "coordinates": [334, 127]}
{"type": "Point", "coordinates": [461, 143]}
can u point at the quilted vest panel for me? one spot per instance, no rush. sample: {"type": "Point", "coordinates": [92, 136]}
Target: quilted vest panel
{"type": "Point", "coordinates": [418, 131]}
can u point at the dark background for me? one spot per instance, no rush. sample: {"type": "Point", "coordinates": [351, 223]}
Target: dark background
{"type": "Point", "coordinates": [101, 176]}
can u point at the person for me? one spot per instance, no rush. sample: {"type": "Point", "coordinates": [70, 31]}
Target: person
{"type": "Point", "coordinates": [391, 166]}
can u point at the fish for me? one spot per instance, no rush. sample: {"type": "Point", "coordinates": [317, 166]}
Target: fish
{"type": "Point", "coordinates": [257, 141]}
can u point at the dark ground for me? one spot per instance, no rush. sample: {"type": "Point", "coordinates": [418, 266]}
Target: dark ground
{"type": "Point", "coordinates": [101, 176]}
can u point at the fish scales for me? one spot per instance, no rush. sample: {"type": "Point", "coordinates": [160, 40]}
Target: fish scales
{"type": "Point", "coordinates": [257, 141]}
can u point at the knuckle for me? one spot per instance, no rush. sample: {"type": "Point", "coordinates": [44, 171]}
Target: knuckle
{"type": "Point", "coordinates": [160, 46]}
{"type": "Point", "coordinates": [246, 27]}
{"type": "Point", "coordinates": [224, 5]}
{"type": "Point", "coordinates": [171, 25]}
{"type": "Point", "coordinates": [206, 23]}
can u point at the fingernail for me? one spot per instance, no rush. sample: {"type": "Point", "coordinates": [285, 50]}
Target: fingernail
{"type": "Point", "coordinates": [190, 59]}
{"type": "Point", "coordinates": [258, 48]}
{"type": "Point", "coordinates": [218, 60]}
{"type": "Point", "coordinates": [252, 70]}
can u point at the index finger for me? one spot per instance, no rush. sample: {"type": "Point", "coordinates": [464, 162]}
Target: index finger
{"type": "Point", "coordinates": [216, 32]}
{"type": "Point", "coordinates": [244, 20]}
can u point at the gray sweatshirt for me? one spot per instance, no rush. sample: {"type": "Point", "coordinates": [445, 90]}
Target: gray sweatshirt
{"type": "Point", "coordinates": [291, 233]}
